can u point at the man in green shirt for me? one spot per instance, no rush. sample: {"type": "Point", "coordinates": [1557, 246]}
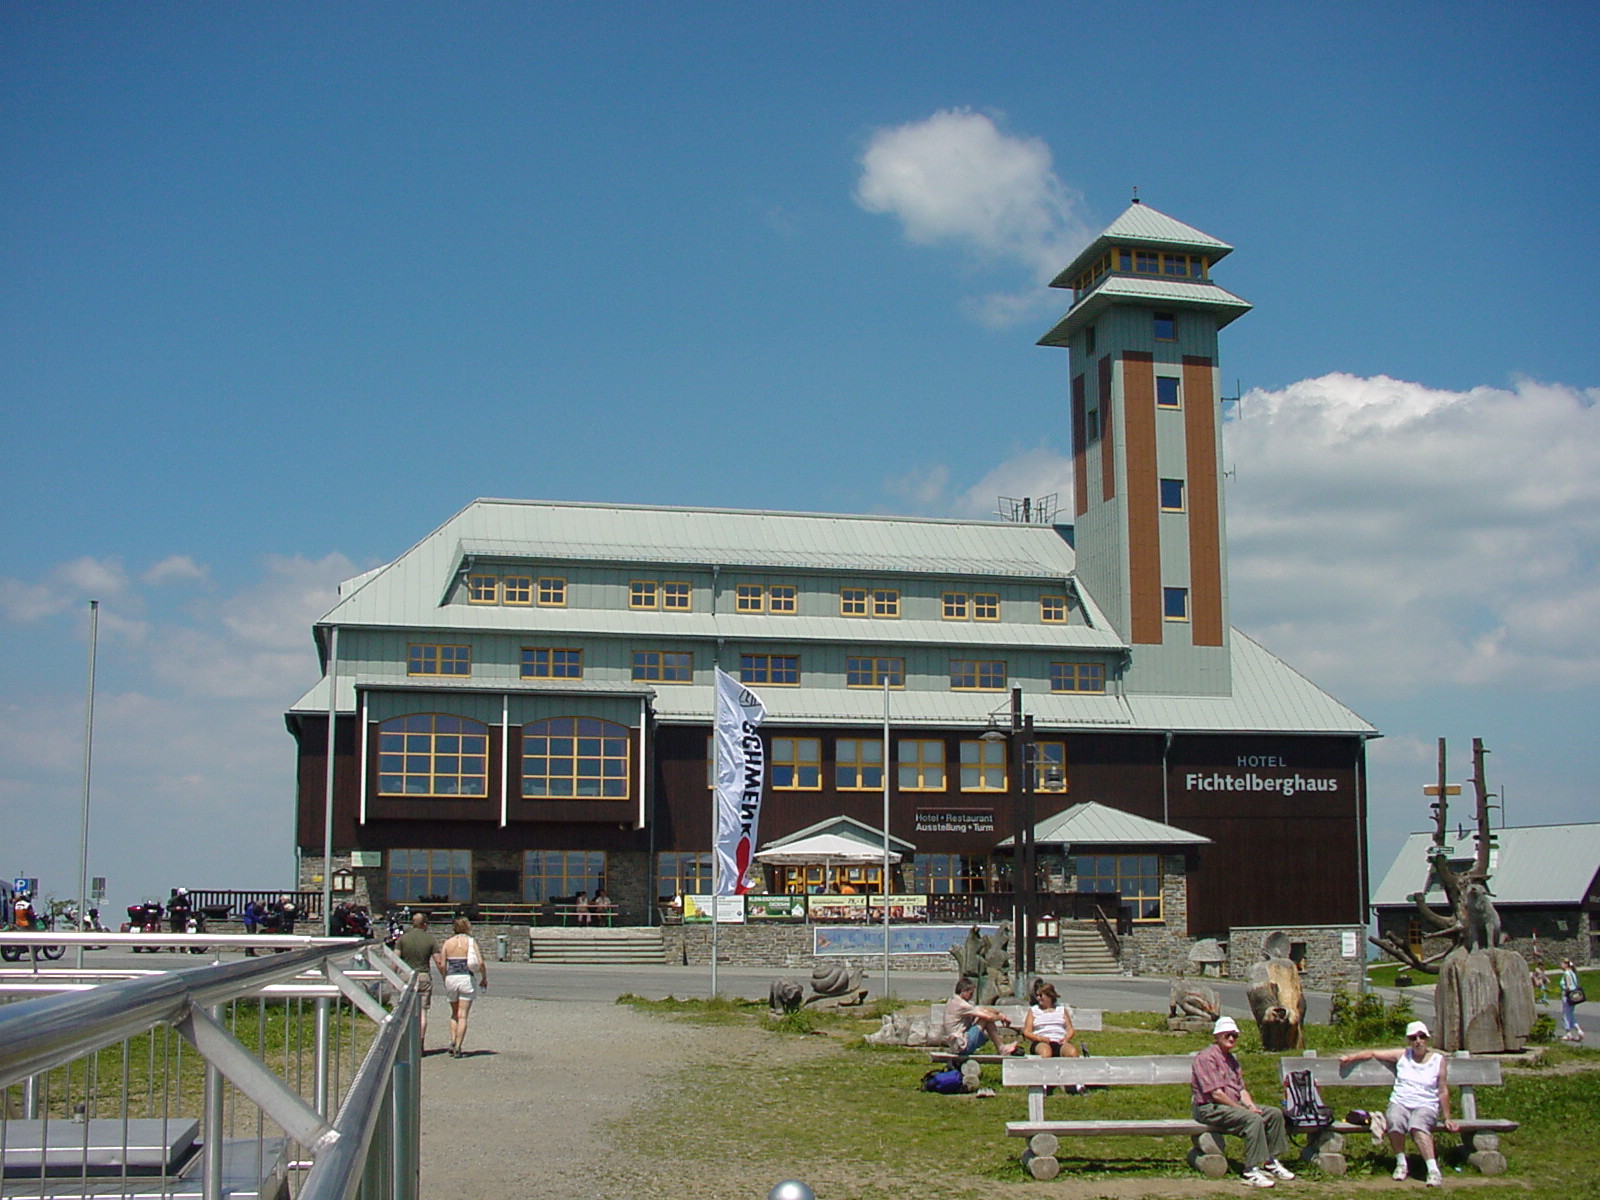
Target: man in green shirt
{"type": "Point", "coordinates": [416, 949]}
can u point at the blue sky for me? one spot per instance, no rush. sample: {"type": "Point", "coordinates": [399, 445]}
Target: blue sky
{"type": "Point", "coordinates": [283, 286]}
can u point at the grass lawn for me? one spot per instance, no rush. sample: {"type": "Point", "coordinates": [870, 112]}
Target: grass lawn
{"type": "Point", "coordinates": [849, 1118]}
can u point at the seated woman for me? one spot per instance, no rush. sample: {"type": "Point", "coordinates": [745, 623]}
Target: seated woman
{"type": "Point", "coordinates": [1048, 1027]}
{"type": "Point", "coordinates": [1421, 1097]}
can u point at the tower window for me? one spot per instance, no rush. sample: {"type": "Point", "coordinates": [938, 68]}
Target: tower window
{"type": "Point", "coordinates": [1166, 327]}
{"type": "Point", "coordinates": [1167, 391]}
{"type": "Point", "coordinates": [1088, 340]}
{"type": "Point", "coordinates": [1172, 495]}
{"type": "Point", "coordinates": [1175, 604]}
{"type": "Point", "coordinates": [1091, 426]}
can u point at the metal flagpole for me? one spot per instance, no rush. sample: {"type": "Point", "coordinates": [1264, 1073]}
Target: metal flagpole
{"type": "Point", "coordinates": [885, 888]}
{"type": "Point", "coordinates": [716, 799]}
{"type": "Point", "coordinates": [327, 802]}
{"type": "Point", "coordinates": [88, 758]}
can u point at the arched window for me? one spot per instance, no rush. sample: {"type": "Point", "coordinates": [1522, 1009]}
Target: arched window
{"type": "Point", "coordinates": [433, 754]}
{"type": "Point", "coordinates": [580, 757]}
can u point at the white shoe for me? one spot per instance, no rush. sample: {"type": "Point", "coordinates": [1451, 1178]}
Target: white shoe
{"type": "Point", "coordinates": [1401, 1171]}
{"type": "Point", "coordinates": [1255, 1178]}
{"type": "Point", "coordinates": [1277, 1170]}
{"type": "Point", "coordinates": [1435, 1179]}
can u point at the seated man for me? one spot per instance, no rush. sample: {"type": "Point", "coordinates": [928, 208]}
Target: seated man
{"type": "Point", "coordinates": [967, 1025]}
{"type": "Point", "coordinates": [1222, 1103]}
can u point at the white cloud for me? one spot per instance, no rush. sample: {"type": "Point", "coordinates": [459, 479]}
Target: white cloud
{"type": "Point", "coordinates": [179, 568]}
{"type": "Point", "coordinates": [956, 179]}
{"type": "Point", "coordinates": [1392, 536]}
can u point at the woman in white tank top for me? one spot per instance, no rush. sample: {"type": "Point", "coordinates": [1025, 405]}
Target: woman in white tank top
{"type": "Point", "coordinates": [1419, 1100]}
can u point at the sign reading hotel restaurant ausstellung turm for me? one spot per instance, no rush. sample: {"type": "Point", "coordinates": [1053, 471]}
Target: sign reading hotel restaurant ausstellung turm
{"type": "Point", "coordinates": [955, 820]}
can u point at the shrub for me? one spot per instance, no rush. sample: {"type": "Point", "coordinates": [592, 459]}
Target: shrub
{"type": "Point", "coordinates": [1366, 1018]}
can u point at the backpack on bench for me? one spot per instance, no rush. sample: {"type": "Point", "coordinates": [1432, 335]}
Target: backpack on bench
{"type": "Point", "coordinates": [1302, 1102]}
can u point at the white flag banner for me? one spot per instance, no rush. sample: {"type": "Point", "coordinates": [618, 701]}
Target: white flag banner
{"type": "Point", "coordinates": [741, 773]}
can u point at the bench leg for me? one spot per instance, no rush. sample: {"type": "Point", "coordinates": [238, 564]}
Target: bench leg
{"type": "Point", "coordinates": [1483, 1152]}
{"type": "Point", "coordinates": [1040, 1166]}
{"type": "Point", "coordinates": [1206, 1155]}
{"type": "Point", "coordinates": [1325, 1149]}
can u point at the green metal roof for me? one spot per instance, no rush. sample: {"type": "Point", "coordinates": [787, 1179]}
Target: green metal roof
{"type": "Point", "coordinates": [1142, 225]}
{"type": "Point", "coordinates": [1140, 289]}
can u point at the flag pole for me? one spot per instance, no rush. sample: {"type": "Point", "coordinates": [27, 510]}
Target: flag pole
{"type": "Point", "coordinates": [885, 888]}
{"type": "Point", "coordinates": [716, 856]}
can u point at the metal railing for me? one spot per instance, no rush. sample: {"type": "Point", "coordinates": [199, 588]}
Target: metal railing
{"type": "Point", "coordinates": [101, 1092]}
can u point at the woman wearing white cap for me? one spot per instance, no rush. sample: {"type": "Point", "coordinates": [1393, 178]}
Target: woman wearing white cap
{"type": "Point", "coordinates": [1419, 1100]}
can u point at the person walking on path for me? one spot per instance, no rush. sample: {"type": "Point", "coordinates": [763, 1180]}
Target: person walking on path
{"type": "Point", "coordinates": [418, 948]}
{"type": "Point", "coordinates": [1221, 1103]}
{"type": "Point", "coordinates": [1419, 1100]}
{"type": "Point", "coordinates": [1571, 1031]}
{"type": "Point", "coordinates": [458, 960]}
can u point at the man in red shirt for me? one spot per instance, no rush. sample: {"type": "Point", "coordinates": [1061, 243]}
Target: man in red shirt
{"type": "Point", "coordinates": [1222, 1103]}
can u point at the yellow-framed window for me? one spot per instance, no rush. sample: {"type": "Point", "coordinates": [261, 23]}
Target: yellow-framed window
{"type": "Point", "coordinates": [853, 602]}
{"type": "Point", "coordinates": [782, 670]}
{"type": "Point", "coordinates": [796, 764]}
{"type": "Point", "coordinates": [1053, 610]}
{"type": "Point", "coordinates": [985, 606]}
{"type": "Point", "coordinates": [575, 757]}
{"type": "Point", "coordinates": [858, 764]}
{"type": "Point", "coordinates": [425, 659]}
{"type": "Point", "coordinates": [783, 598]}
{"type": "Point", "coordinates": [749, 598]}
{"type": "Point", "coordinates": [483, 589]}
{"type": "Point", "coordinates": [663, 666]}
{"type": "Point", "coordinates": [977, 675]}
{"type": "Point", "coordinates": [644, 593]}
{"type": "Point", "coordinates": [549, 662]}
{"type": "Point", "coordinates": [885, 602]}
{"type": "Point", "coordinates": [1077, 677]}
{"type": "Point", "coordinates": [957, 606]}
{"type": "Point", "coordinates": [1172, 495]}
{"type": "Point", "coordinates": [433, 754]}
{"type": "Point", "coordinates": [983, 766]}
{"type": "Point", "coordinates": [552, 592]}
{"type": "Point", "coordinates": [921, 765]}
{"type": "Point", "coordinates": [864, 672]}
{"type": "Point", "coordinates": [1049, 766]}
{"type": "Point", "coordinates": [516, 589]}
{"type": "Point", "coordinates": [677, 597]}
{"type": "Point", "coordinates": [1136, 876]}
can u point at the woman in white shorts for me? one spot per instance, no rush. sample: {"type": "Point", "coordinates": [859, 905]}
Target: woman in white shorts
{"type": "Point", "coordinates": [1419, 1100]}
{"type": "Point", "coordinates": [458, 960]}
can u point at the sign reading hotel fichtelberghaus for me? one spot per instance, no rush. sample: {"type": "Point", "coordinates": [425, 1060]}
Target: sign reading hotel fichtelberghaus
{"type": "Point", "coordinates": [741, 767]}
{"type": "Point", "coordinates": [955, 820]}
{"type": "Point", "coordinates": [1261, 773]}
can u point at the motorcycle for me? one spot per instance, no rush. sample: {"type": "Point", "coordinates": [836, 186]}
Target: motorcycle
{"type": "Point", "coordinates": [18, 953]}
{"type": "Point", "coordinates": [145, 918]}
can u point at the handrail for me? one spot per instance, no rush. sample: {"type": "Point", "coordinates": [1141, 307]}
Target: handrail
{"type": "Point", "coordinates": [337, 1172]}
{"type": "Point", "coordinates": [38, 1035]}
{"type": "Point", "coordinates": [1108, 933]}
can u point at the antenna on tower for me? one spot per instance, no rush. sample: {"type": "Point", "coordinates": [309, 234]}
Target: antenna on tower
{"type": "Point", "coordinates": [1029, 510]}
{"type": "Point", "coordinates": [1237, 400]}
{"type": "Point", "coordinates": [1136, 193]}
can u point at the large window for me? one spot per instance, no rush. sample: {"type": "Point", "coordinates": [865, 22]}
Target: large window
{"type": "Point", "coordinates": [871, 672]}
{"type": "Point", "coordinates": [438, 660]}
{"type": "Point", "coordinates": [1136, 876]}
{"type": "Point", "coordinates": [663, 666]}
{"type": "Point", "coordinates": [781, 669]}
{"type": "Point", "coordinates": [582, 757]}
{"type": "Point", "coordinates": [680, 873]}
{"type": "Point", "coordinates": [548, 662]}
{"type": "Point", "coordinates": [983, 766]}
{"type": "Point", "coordinates": [858, 765]}
{"type": "Point", "coordinates": [414, 874]}
{"type": "Point", "coordinates": [797, 764]}
{"type": "Point", "coordinates": [1049, 766]}
{"type": "Point", "coordinates": [921, 765]}
{"type": "Point", "coordinates": [947, 874]}
{"type": "Point", "coordinates": [561, 874]}
{"type": "Point", "coordinates": [1077, 677]}
{"type": "Point", "coordinates": [432, 754]}
{"type": "Point", "coordinates": [967, 675]}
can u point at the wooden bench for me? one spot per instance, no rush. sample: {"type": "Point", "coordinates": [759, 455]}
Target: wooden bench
{"type": "Point", "coordinates": [1084, 1020]}
{"type": "Point", "coordinates": [1206, 1154]}
{"type": "Point", "coordinates": [1480, 1136]}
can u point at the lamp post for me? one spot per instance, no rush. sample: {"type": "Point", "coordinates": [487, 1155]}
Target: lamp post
{"type": "Point", "coordinates": [1022, 757]}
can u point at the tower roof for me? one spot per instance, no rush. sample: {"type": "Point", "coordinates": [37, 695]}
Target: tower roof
{"type": "Point", "coordinates": [1141, 225]}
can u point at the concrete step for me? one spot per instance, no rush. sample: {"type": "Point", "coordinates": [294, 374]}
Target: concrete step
{"type": "Point", "coordinates": [591, 945]}
{"type": "Point", "coordinates": [1084, 952]}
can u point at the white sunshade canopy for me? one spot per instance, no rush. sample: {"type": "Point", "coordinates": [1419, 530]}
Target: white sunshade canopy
{"type": "Point", "coordinates": [825, 848]}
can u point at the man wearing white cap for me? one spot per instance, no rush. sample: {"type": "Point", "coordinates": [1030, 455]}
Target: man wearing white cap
{"type": "Point", "coordinates": [1420, 1098]}
{"type": "Point", "coordinates": [1222, 1103]}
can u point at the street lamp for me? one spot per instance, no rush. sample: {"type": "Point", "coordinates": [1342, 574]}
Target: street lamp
{"type": "Point", "coordinates": [1022, 763]}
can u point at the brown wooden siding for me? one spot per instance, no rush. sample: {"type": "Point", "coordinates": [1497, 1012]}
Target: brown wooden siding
{"type": "Point", "coordinates": [1144, 498]}
{"type": "Point", "coordinates": [1205, 518]}
{"type": "Point", "coordinates": [1108, 453]}
{"type": "Point", "coordinates": [1080, 473]}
